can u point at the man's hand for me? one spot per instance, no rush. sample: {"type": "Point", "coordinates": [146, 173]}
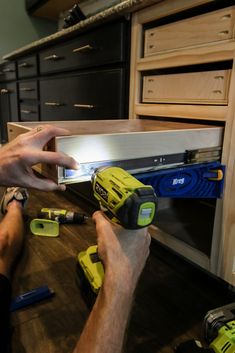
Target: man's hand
{"type": "Point", "coordinates": [18, 157]}
{"type": "Point", "coordinates": [122, 251]}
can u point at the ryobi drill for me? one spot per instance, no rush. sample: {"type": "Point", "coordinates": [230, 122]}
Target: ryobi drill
{"type": "Point", "coordinates": [126, 201]}
{"type": "Point", "coordinates": [219, 332]}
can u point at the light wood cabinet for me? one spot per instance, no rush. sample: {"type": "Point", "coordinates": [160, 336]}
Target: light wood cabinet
{"type": "Point", "coordinates": [182, 68]}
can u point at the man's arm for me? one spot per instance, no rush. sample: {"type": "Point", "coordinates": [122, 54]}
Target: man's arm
{"type": "Point", "coordinates": [18, 157]}
{"type": "Point", "coordinates": [123, 253]}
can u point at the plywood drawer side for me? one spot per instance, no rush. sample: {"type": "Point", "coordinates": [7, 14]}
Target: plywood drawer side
{"type": "Point", "coordinates": [207, 87]}
{"type": "Point", "coordinates": [213, 27]}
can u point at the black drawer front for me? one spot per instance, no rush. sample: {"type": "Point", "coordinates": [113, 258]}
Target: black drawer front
{"type": "Point", "coordinates": [102, 46]}
{"type": "Point", "coordinates": [28, 90]}
{"type": "Point", "coordinates": [8, 72]}
{"type": "Point", "coordinates": [8, 107]}
{"type": "Point", "coordinates": [93, 95]}
{"type": "Point", "coordinates": [27, 67]}
{"type": "Point", "coordinates": [29, 112]}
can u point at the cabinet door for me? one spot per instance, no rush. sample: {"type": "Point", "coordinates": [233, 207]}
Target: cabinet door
{"type": "Point", "coordinates": [8, 107]}
{"type": "Point", "coordinates": [91, 95]}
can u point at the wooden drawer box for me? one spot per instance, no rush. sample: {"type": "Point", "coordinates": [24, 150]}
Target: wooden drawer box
{"type": "Point", "coordinates": [202, 29]}
{"type": "Point", "coordinates": [207, 87]}
{"type": "Point", "coordinates": [102, 46]}
{"type": "Point", "coordinates": [93, 95]}
{"type": "Point", "coordinates": [27, 67]}
{"type": "Point", "coordinates": [131, 144]}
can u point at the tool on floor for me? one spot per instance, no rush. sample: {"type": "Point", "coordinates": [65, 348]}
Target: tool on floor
{"type": "Point", "coordinates": [33, 296]}
{"type": "Point", "coordinates": [219, 332]}
{"type": "Point", "coordinates": [126, 201]}
{"type": "Point", "coordinates": [62, 216]}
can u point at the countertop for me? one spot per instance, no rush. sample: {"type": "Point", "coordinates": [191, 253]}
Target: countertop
{"type": "Point", "coordinates": [125, 7]}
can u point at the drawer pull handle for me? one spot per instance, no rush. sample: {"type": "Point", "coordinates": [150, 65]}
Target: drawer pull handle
{"type": "Point", "coordinates": [7, 70]}
{"type": "Point", "coordinates": [226, 17]}
{"type": "Point", "coordinates": [217, 91]}
{"type": "Point", "coordinates": [26, 65]}
{"type": "Point", "coordinates": [5, 91]}
{"type": "Point", "coordinates": [82, 49]}
{"type": "Point", "coordinates": [27, 111]}
{"type": "Point", "coordinates": [150, 91]}
{"type": "Point", "coordinates": [223, 33]}
{"type": "Point", "coordinates": [53, 104]}
{"type": "Point", "coordinates": [52, 57]}
{"type": "Point", "coordinates": [219, 77]}
{"type": "Point", "coordinates": [86, 106]}
{"type": "Point", "coordinates": [26, 89]}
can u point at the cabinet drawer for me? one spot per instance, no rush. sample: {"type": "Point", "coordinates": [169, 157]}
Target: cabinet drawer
{"type": "Point", "coordinates": [93, 95]}
{"type": "Point", "coordinates": [207, 87]}
{"type": "Point", "coordinates": [28, 90]}
{"type": "Point", "coordinates": [27, 67]}
{"type": "Point", "coordinates": [102, 46]}
{"type": "Point", "coordinates": [212, 27]}
{"type": "Point", "coordinates": [29, 112]}
{"type": "Point", "coordinates": [8, 72]}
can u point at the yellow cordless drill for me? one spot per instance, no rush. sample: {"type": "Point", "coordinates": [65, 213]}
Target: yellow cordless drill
{"type": "Point", "coordinates": [126, 201]}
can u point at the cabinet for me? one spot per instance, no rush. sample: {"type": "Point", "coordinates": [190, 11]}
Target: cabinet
{"type": "Point", "coordinates": [8, 98]}
{"type": "Point", "coordinates": [182, 69]}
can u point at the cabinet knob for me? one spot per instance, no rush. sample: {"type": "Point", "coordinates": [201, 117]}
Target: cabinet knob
{"type": "Point", "coordinates": [86, 106]}
{"type": "Point", "coordinates": [4, 91]}
{"type": "Point", "coordinates": [53, 104]}
{"type": "Point", "coordinates": [24, 65]}
{"type": "Point", "coordinates": [82, 49]}
{"type": "Point", "coordinates": [52, 57]}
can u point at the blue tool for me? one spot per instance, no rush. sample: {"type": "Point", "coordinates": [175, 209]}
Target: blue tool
{"type": "Point", "coordinates": [33, 296]}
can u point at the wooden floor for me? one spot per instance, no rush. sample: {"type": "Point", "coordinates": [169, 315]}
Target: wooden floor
{"type": "Point", "coordinates": [171, 300]}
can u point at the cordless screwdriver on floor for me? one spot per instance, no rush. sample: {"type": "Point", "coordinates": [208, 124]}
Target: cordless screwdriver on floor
{"type": "Point", "coordinates": [126, 201]}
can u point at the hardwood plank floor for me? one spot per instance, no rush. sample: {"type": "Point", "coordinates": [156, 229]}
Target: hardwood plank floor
{"type": "Point", "coordinates": [171, 299]}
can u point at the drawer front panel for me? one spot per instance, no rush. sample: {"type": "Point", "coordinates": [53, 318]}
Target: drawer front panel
{"type": "Point", "coordinates": [27, 67]}
{"type": "Point", "coordinates": [8, 72]}
{"type": "Point", "coordinates": [28, 90]}
{"type": "Point", "coordinates": [29, 112]}
{"type": "Point", "coordinates": [103, 46]}
{"type": "Point", "coordinates": [208, 87]}
{"type": "Point", "coordinates": [93, 95]}
{"type": "Point", "coordinates": [212, 27]}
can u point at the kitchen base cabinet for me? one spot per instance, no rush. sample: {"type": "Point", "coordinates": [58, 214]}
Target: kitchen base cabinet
{"type": "Point", "coordinates": [8, 107]}
{"type": "Point", "coordinates": [182, 69]}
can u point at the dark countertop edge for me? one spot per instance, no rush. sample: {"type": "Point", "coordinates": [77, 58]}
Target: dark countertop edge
{"type": "Point", "coordinates": [125, 7]}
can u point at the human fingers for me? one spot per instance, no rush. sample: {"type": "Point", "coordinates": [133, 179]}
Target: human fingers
{"type": "Point", "coordinates": [55, 158]}
{"type": "Point", "coordinates": [43, 133]}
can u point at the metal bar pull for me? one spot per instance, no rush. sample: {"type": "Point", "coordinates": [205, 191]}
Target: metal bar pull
{"type": "Point", "coordinates": [53, 104]}
{"type": "Point", "coordinates": [4, 91]}
{"type": "Point", "coordinates": [26, 89]}
{"type": "Point", "coordinates": [8, 70]}
{"type": "Point", "coordinates": [82, 49]}
{"type": "Point", "coordinates": [27, 111]}
{"type": "Point", "coordinates": [24, 65]}
{"type": "Point", "coordinates": [86, 106]}
{"type": "Point", "coordinates": [52, 57]}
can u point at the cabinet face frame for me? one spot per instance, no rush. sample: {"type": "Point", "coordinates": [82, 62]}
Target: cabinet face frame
{"type": "Point", "coordinates": [222, 259]}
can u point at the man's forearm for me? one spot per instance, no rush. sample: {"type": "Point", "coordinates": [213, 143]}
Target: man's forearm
{"type": "Point", "coordinates": [105, 329]}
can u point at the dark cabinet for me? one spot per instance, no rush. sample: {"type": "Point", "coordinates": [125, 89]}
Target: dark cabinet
{"type": "Point", "coordinates": [8, 107]}
{"type": "Point", "coordinates": [105, 45]}
{"type": "Point", "coordinates": [93, 95]}
{"type": "Point", "coordinates": [80, 77]}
